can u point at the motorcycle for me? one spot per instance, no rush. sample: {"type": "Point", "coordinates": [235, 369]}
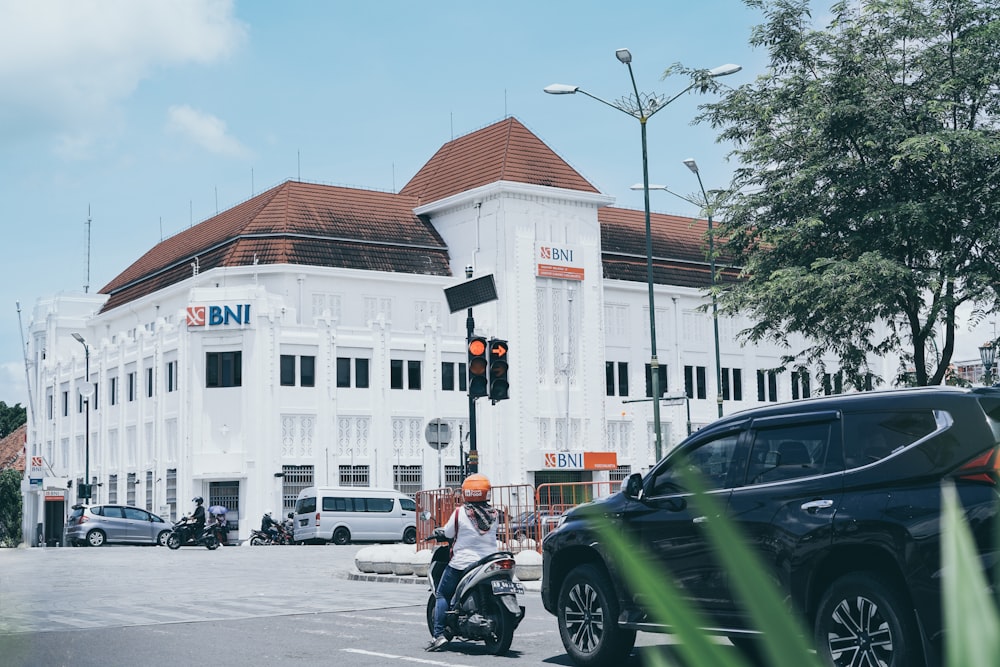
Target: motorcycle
{"type": "Point", "coordinates": [185, 533]}
{"type": "Point", "coordinates": [263, 538]}
{"type": "Point", "coordinates": [484, 606]}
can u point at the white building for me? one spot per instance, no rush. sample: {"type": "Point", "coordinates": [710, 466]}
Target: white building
{"type": "Point", "coordinates": [304, 337]}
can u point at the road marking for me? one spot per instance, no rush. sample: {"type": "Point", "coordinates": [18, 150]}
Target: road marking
{"type": "Point", "coordinates": [422, 661]}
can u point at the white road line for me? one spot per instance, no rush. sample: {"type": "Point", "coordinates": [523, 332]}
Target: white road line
{"type": "Point", "coordinates": [404, 658]}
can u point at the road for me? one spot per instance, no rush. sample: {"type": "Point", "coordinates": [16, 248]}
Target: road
{"type": "Point", "coordinates": [123, 605]}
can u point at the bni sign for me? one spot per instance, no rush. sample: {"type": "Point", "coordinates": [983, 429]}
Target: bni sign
{"type": "Point", "coordinates": [558, 261]}
{"type": "Point", "coordinates": [218, 315]}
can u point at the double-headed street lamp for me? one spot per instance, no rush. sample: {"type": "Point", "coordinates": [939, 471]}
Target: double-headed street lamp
{"type": "Point", "coordinates": [642, 107]}
{"type": "Point", "coordinates": [86, 392]}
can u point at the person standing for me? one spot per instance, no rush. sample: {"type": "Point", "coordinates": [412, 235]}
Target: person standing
{"type": "Point", "coordinates": [473, 529]}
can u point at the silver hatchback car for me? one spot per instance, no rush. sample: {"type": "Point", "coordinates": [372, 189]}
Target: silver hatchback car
{"type": "Point", "coordinates": [100, 524]}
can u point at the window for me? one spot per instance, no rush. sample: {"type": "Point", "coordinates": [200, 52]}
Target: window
{"type": "Point", "coordinates": [800, 384]}
{"type": "Point", "coordinates": [407, 479]}
{"type": "Point", "coordinates": [131, 386]}
{"type": "Point", "coordinates": [695, 385]}
{"type": "Point", "coordinates": [48, 406]}
{"type": "Point", "coordinates": [112, 489]}
{"type": "Point", "coordinates": [223, 369]}
{"type": "Point", "coordinates": [94, 400]}
{"type": "Point", "coordinates": [448, 376]}
{"type": "Point", "coordinates": [788, 451]}
{"type": "Point", "coordinates": [344, 372]}
{"type": "Point", "coordinates": [113, 392]}
{"type": "Point", "coordinates": [619, 474]}
{"type": "Point", "coordinates": [307, 371]}
{"type": "Point", "coordinates": [616, 378]}
{"type": "Point", "coordinates": [287, 370]}
{"type": "Point", "coordinates": [767, 386]}
{"type": "Point", "coordinates": [453, 476]}
{"type": "Point", "coordinates": [130, 483]}
{"type": "Point", "coordinates": [351, 475]}
{"type": "Point", "coordinates": [295, 479]}
{"type": "Point", "coordinates": [711, 459]}
{"type": "Point", "coordinates": [404, 371]}
{"type": "Point", "coordinates": [172, 493]}
{"type": "Point", "coordinates": [149, 490]}
{"type": "Point", "coordinates": [65, 404]}
{"type": "Point", "coordinates": [149, 383]}
{"type": "Point", "coordinates": [732, 384]}
{"type": "Point", "coordinates": [870, 437]}
{"type": "Point", "coordinates": [649, 380]}
{"type": "Point", "coordinates": [226, 494]}
{"type": "Point", "coordinates": [171, 376]}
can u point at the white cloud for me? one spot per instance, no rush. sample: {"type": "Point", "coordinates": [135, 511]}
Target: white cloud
{"type": "Point", "coordinates": [66, 65]}
{"type": "Point", "coordinates": [205, 130]}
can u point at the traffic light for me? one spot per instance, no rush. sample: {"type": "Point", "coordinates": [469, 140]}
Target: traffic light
{"type": "Point", "coordinates": [499, 383]}
{"type": "Point", "coordinates": [478, 364]}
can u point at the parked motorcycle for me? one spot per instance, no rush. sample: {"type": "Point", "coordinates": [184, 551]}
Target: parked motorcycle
{"type": "Point", "coordinates": [484, 606]}
{"type": "Point", "coordinates": [263, 538]}
{"type": "Point", "coordinates": [185, 533]}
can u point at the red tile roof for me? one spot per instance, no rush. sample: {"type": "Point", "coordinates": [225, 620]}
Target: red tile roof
{"type": "Point", "coordinates": [680, 248]}
{"type": "Point", "coordinates": [503, 151]}
{"type": "Point", "coordinates": [12, 449]}
{"type": "Point", "coordinates": [323, 225]}
{"type": "Point", "coordinates": [294, 223]}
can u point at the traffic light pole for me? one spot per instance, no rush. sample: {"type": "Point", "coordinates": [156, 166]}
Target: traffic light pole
{"type": "Point", "coordinates": [473, 467]}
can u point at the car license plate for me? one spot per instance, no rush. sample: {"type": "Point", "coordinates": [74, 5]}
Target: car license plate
{"type": "Point", "coordinates": [504, 586]}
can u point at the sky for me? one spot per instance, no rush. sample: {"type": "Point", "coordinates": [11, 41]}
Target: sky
{"type": "Point", "coordinates": [148, 116]}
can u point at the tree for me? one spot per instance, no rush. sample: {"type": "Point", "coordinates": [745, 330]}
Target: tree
{"type": "Point", "coordinates": [10, 508]}
{"type": "Point", "coordinates": [863, 209]}
{"type": "Point", "coordinates": [11, 417]}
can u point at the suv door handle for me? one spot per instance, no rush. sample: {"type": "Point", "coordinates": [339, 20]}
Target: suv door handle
{"type": "Point", "coordinates": [813, 505]}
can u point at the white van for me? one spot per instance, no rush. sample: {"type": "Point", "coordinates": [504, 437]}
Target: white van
{"type": "Point", "coordinates": [344, 514]}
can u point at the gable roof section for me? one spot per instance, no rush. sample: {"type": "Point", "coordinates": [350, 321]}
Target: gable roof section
{"type": "Point", "coordinates": [680, 249]}
{"type": "Point", "coordinates": [294, 223]}
{"type": "Point", "coordinates": [504, 151]}
{"type": "Point", "coordinates": [12, 449]}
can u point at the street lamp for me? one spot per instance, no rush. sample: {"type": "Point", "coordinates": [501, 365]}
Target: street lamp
{"type": "Point", "coordinates": [642, 107]}
{"type": "Point", "coordinates": [86, 392]}
{"type": "Point", "coordinates": [987, 353]}
{"type": "Point", "coordinates": [693, 166]}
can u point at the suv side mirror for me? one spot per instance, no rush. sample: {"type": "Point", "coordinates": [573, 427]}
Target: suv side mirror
{"type": "Point", "coordinates": [632, 486]}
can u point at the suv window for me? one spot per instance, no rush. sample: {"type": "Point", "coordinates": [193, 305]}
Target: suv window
{"type": "Point", "coordinates": [871, 436]}
{"type": "Point", "coordinates": [787, 452]}
{"type": "Point", "coordinates": [306, 505]}
{"type": "Point", "coordinates": [712, 459]}
{"type": "Point", "coordinates": [408, 505]}
{"type": "Point", "coordinates": [136, 514]}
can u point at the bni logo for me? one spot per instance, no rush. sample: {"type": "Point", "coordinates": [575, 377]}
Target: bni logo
{"type": "Point", "coordinates": [196, 316]}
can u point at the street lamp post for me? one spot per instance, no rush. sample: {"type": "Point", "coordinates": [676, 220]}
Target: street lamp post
{"type": "Point", "coordinates": [693, 166]}
{"type": "Point", "coordinates": [642, 107]}
{"type": "Point", "coordinates": [86, 393]}
{"type": "Point", "coordinates": [987, 353]}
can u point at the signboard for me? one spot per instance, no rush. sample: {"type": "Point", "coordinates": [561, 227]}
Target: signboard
{"type": "Point", "coordinates": [580, 460]}
{"type": "Point", "coordinates": [37, 467]}
{"type": "Point", "coordinates": [561, 262]}
{"type": "Point", "coordinates": [438, 433]}
{"type": "Point", "coordinates": [220, 315]}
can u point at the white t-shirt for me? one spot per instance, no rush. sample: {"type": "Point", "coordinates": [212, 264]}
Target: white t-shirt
{"type": "Point", "coordinates": [470, 545]}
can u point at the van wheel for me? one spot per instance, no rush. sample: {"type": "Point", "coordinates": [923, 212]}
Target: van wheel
{"type": "Point", "coordinates": [410, 536]}
{"type": "Point", "coordinates": [341, 536]}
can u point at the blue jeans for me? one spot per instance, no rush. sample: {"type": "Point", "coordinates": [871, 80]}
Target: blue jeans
{"type": "Point", "coordinates": [446, 588]}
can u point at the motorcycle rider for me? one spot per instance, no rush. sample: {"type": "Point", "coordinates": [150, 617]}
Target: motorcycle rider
{"type": "Point", "coordinates": [269, 526]}
{"type": "Point", "coordinates": [473, 527]}
{"type": "Point", "coordinates": [289, 524]}
{"type": "Point", "coordinates": [198, 517]}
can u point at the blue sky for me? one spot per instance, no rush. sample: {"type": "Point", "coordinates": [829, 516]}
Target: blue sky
{"type": "Point", "coordinates": [156, 114]}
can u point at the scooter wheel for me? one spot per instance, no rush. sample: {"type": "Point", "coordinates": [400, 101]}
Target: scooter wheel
{"type": "Point", "coordinates": [173, 541]}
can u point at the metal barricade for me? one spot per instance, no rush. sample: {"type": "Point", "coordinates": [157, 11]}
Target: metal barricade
{"type": "Point", "coordinates": [439, 503]}
{"type": "Point", "coordinates": [512, 502]}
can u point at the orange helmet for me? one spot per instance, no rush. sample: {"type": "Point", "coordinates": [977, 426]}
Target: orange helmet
{"type": "Point", "coordinates": [476, 489]}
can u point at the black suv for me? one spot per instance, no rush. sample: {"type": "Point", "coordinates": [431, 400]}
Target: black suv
{"type": "Point", "coordinates": [841, 497]}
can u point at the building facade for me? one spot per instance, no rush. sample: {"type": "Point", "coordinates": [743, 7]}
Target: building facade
{"type": "Point", "coordinates": [303, 337]}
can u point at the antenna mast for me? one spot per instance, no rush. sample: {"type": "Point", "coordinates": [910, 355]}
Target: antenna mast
{"type": "Point", "coordinates": [86, 284]}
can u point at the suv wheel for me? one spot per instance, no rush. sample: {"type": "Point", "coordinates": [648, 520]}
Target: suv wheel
{"type": "Point", "coordinates": [588, 615]}
{"type": "Point", "coordinates": [862, 621]}
{"type": "Point", "coordinates": [95, 538]}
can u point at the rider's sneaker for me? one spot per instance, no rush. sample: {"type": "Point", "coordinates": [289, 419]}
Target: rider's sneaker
{"type": "Point", "coordinates": [437, 644]}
